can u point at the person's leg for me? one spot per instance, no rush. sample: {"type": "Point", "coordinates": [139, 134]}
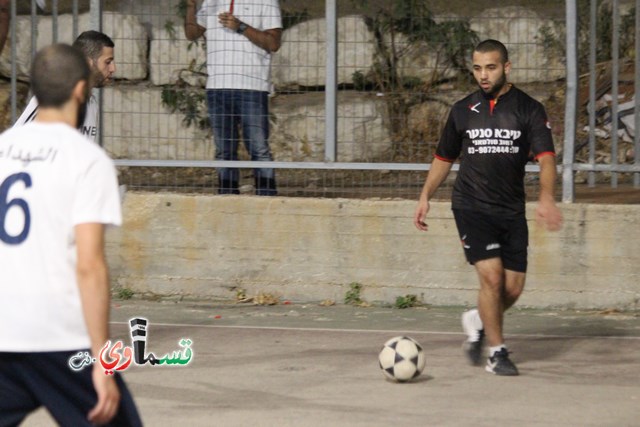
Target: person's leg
{"type": "Point", "coordinates": [482, 238]}
{"type": "Point", "coordinates": [502, 283]}
{"type": "Point", "coordinates": [69, 395]}
{"type": "Point", "coordinates": [475, 231]}
{"type": "Point", "coordinates": [514, 285]}
{"type": "Point", "coordinates": [514, 258]}
{"type": "Point", "coordinates": [16, 401]}
{"type": "Point", "coordinates": [255, 132]}
{"type": "Point", "coordinates": [224, 124]}
{"type": "Point", "coordinates": [491, 298]}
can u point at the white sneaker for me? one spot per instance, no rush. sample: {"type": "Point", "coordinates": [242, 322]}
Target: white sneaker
{"type": "Point", "coordinates": [472, 325]}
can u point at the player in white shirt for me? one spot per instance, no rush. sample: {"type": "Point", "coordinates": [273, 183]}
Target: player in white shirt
{"type": "Point", "coordinates": [241, 36]}
{"type": "Point", "coordinates": [99, 50]}
{"type": "Point", "coordinates": [58, 192]}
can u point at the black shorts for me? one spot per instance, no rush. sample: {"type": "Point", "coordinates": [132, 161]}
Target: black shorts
{"type": "Point", "coordinates": [31, 380]}
{"type": "Point", "coordinates": [489, 236]}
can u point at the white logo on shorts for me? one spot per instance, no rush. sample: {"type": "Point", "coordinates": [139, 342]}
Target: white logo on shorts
{"type": "Point", "coordinates": [492, 246]}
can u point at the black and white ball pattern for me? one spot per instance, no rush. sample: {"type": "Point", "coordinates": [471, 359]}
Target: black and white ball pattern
{"type": "Point", "coordinates": [402, 359]}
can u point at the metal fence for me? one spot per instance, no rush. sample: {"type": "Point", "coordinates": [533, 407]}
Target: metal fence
{"type": "Point", "coordinates": [349, 118]}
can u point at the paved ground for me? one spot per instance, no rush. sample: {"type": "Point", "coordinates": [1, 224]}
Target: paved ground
{"type": "Point", "coordinates": [306, 365]}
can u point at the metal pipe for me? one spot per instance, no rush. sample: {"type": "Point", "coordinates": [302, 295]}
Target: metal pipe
{"type": "Point", "coordinates": [615, 72]}
{"type": "Point", "coordinates": [95, 17]}
{"type": "Point", "coordinates": [75, 19]}
{"type": "Point", "coordinates": [248, 164]}
{"type": "Point", "coordinates": [331, 85]}
{"type": "Point", "coordinates": [54, 21]}
{"type": "Point", "coordinates": [620, 168]}
{"type": "Point", "coordinates": [34, 27]}
{"type": "Point", "coordinates": [591, 180]}
{"type": "Point", "coordinates": [14, 72]}
{"type": "Point", "coordinates": [636, 132]}
{"type": "Point", "coordinates": [406, 167]}
{"type": "Point", "coordinates": [571, 106]}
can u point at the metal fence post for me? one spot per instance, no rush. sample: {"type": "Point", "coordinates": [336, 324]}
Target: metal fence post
{"type": "Point", "coordinates": [95, 16]}
{"type": "Point", "coordinates": [636, 132]}
{"type": "Point", "coordinates": [74, 11]}
{"type": "Point", "coordinates": [592, 89]}
{"type": "Point", "coordinates": [14, 69]}
{"type": "Point", "coordinates": [615, 72]}
{"type": "Point", "coordinates": [331, 85]}
{"type": "Point", "coordinates": [34, 27]}
{"type": "Point", "coordinates": [571, 108]}
{"type": "Point", "coordinates": [54, 21]}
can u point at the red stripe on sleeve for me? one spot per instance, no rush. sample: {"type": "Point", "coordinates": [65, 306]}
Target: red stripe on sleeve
{"type": "Point", "coordinates": [545, 153]}
{"type": "Point", "coordinates": [231, 7]}
{"type": "Point", "coordinates": [444, 159]}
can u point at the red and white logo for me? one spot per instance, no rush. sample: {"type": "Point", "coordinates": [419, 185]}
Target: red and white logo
{"type": "Point", "coordinates": [474, 108]}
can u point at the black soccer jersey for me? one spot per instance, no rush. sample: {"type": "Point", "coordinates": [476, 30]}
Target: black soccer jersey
{"type": "Point", "coordinates": [494, 140]}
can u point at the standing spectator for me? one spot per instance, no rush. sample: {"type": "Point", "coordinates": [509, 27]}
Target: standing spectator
{"type": "Point", "coordinates": [99, 50]}
{"type": "Point", "coordinates": [58, 192]}
{"type": "Point", "coordinates": [241, 35]}
{"type": "Point", "coordinates": [493, 131]}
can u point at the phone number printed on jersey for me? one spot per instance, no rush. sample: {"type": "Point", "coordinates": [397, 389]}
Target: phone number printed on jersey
{"type": "Point", "coordinates": [492, 149]}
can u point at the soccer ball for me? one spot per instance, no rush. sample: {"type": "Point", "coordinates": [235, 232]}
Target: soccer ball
{"type": "Point", "coordinates": [401, 359]}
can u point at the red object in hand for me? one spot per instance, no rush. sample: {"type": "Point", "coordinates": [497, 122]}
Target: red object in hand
{"type": "Point", "coordinates": [231, 8]}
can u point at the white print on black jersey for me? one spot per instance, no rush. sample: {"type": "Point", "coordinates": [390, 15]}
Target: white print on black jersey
{"type": "Point", "coordinates": [494, 140]}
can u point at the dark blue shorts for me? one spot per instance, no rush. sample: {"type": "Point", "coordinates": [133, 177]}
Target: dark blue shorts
{"type": "Point", "coordinates": [489, 236]}
{"type": "Point", "coordinates": [31, 380]}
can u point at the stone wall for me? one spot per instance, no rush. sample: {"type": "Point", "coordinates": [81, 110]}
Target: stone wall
{"type": "Point", "coordinates": [312, 249]}
{"type": "Point", "coordinates": [129, 35]}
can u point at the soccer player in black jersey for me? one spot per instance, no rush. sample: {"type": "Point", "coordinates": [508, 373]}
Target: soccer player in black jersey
{"type": "Point", "coordinates": [494, 132]}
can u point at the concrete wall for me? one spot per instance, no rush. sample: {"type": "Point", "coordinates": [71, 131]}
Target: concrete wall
{"type": "Point", "coordinates": [311, 249]}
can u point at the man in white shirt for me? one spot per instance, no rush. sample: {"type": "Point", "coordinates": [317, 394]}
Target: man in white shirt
{"type": "Point", "coordinates": [58, 192]}
{"type": "Point", "coordinates": [241, 36]}
{"type": "Point", "coordinates": [99, 50]}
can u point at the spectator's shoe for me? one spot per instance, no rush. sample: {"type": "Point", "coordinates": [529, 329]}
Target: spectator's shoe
{"type": "Point", "coordinates": [472, 326]}
{"type": "Point", "coordinates": [500, 364]}
{"type": "Point", "coordinates": [266, 187]}
{"type": "Point", "coordinates": [226, 186]}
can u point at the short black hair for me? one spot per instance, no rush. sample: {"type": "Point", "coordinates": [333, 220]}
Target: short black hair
{"type": "Point", "coordinates": [55, 71]}
{"type": "Point", "coordinates": [92, 42]}
{"type": "Point", "coordinates": [491, 45]}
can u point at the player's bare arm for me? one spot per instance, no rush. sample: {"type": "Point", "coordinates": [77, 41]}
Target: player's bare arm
{"type": "Point", "coordinates": [437, 174]}
{"type": "Point", "coordinates": [269, 40]}
{"type": "Point", "coordinates": [547, 212]}
{"type": "Point", "coordinates": [93, 283]}
{"type": "Point", "coordinates": [192, 30]}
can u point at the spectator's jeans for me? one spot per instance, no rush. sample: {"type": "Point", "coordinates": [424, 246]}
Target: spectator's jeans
{"type": "Point", "coordinates": [229, 108]}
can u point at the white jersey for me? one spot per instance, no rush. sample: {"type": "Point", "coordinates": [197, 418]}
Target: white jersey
{"type": "Point", "coordinates": [89, 128]}
{"type": "Point", "coordinates": [233, 62]}
{"type": "Point", "coordinates": [51, 179]}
